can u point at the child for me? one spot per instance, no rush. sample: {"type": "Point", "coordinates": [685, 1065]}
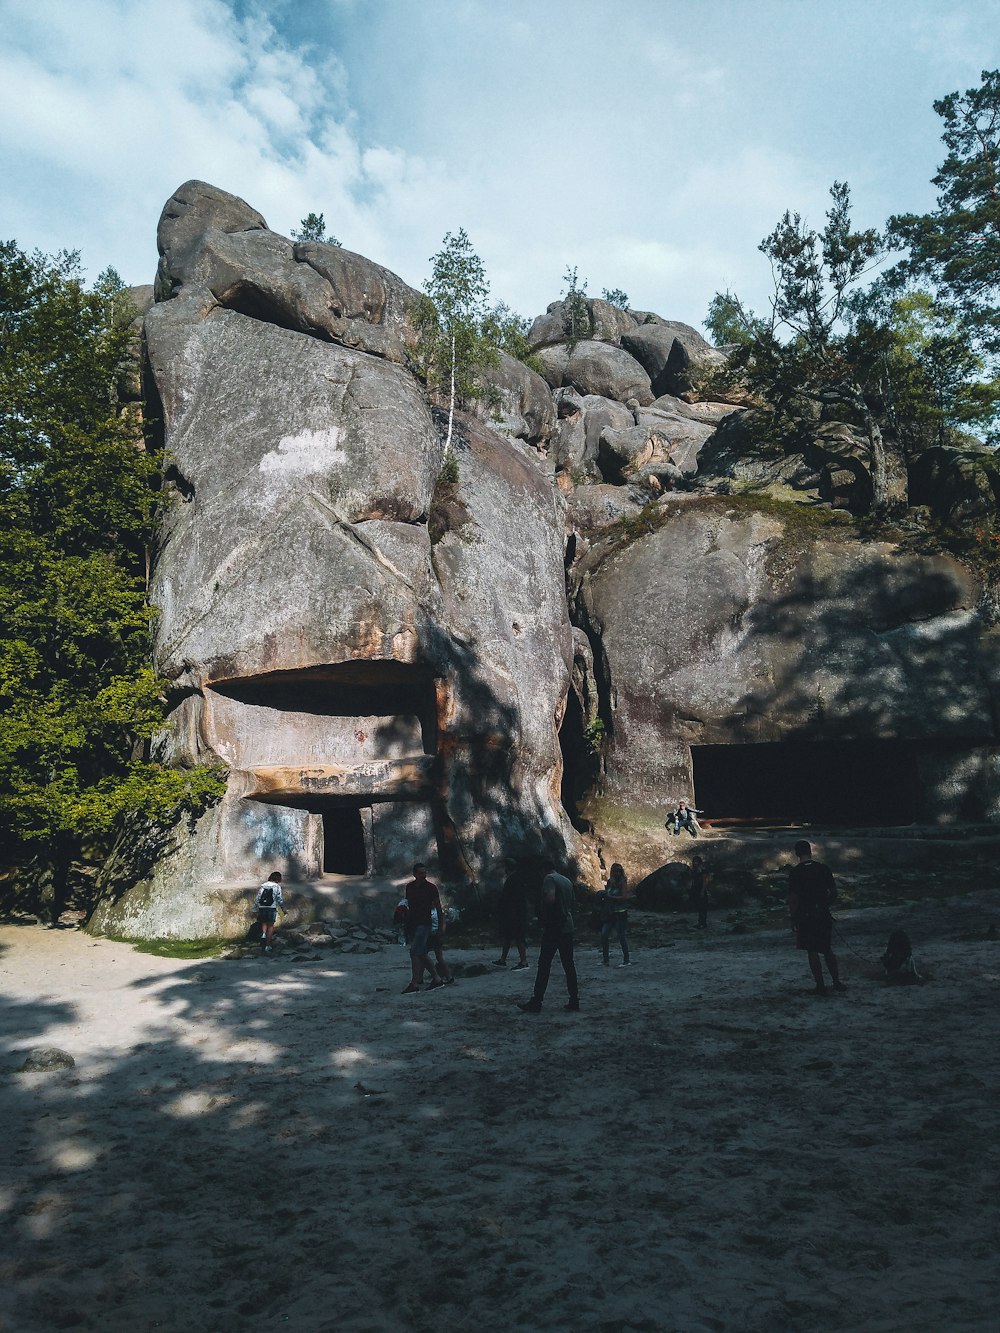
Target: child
{"type": "Point", "coordinates": [267, 902]}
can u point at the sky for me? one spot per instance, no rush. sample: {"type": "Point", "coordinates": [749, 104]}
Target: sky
{"type": "Point", "coordinates": [650, 144]}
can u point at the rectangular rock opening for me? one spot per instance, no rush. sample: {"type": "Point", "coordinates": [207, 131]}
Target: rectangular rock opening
{"type": "Point", "coordinates": [344, 848]}
{"type": "Point", "coordinates": [860, 783]}
{"type": "Point", "coordinates": [346, 713]}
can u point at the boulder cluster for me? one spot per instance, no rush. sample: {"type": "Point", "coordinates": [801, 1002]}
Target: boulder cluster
{"type": "Point", "coordinates": [621, 594]}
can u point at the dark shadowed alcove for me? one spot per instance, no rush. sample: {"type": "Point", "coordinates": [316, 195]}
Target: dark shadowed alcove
{"type": "Point", "coordinates": [794, 782]}
{"type": "Point", "coordinates": [344, 851]}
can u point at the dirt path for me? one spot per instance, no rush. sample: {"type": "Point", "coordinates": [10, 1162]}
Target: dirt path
{"type": "Point", "coordinates": [290, 1143]}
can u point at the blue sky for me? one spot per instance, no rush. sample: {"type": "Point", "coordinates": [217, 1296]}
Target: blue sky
{"type": "Point", "coordinates": [650, 143]}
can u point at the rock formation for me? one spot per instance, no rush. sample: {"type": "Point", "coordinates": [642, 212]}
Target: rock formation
{"type": "Point", "coordinates": [393, 667]}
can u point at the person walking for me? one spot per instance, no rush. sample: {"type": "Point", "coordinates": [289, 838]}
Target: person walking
{"type": "Point", "coordinates": [811, 892]}
{"type": "Point", "coordinates": [422, 899]}
{"type": "Point", "coordinates": [556, 912]}
{"type": "Point", "coordinates": [699, 889]}
{"type": "Point", "coordinates": [615, 915]}
{"type": "Point", "coordinates": [513, 916]}
{"type": "Point", "coordinates": [267, 903]}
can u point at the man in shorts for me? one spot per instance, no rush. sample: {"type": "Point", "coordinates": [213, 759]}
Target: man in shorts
{"type": "Point", "coordinates": [811, 892]}
{"type": "Point", "coordinates": [422, 899]}
{"type": "Point", "coordinates": [556, 913]}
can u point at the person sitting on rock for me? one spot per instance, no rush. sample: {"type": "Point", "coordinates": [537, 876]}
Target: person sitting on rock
{"type": "Point", "coordinates": [685, 816]}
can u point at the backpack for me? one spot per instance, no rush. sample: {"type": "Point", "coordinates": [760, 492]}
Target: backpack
{"type": "Point", "coordinates": [266, 895]}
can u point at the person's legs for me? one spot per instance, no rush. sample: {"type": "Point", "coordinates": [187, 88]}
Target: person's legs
{"type": "Point", "coordinates": [623, 935]}
{"type": "Point", "coordinates": [522, 949]}
{"type": "Point", "coordinates": [443, 969]}
{"type": "Point", "coordinates": [565, 945]}
{"type": "Point", "coordinates": [418, 956]}
{"type": "Point", "coordinates": [546, 953]}
{"type": "Point", "coordinates": [702, 917]}
{"type": "Point", "coordinates": [833, 967]}
{"type": "Point", "coordinates": [816, 968]}
{"type": "Point", "coordinates": [605, 934]}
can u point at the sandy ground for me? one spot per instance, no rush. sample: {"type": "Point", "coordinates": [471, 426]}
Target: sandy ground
{"type": "Point", "coordinates": [289, 1142]}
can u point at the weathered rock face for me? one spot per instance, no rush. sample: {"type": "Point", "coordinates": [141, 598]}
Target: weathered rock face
{"type": "Point", "coordinates": [770, 633]}
{"type": "Point", "coordinates": [381, 662]}
{"type": "Point", "coordinates": [388, 664]}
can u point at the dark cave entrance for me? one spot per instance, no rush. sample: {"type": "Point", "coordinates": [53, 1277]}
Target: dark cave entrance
{"type": "Point", "coordinates": [863, 783]}
{"type": "Point", "coordinates": [344, 850]}
{"type": "Point", "coordinates": [581, 762]}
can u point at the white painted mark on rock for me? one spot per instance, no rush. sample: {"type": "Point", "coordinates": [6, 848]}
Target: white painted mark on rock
{"type": "Point", "coordinates": [309, 451]}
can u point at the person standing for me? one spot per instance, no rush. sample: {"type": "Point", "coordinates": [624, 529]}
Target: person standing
{"type": "Point", "coordinates": [422, 899]}
{"type": "Point", "coordinates": [513, 922]}
{"type": "Point", "coordinates": [267, 903]}
{"type": "Point", "coordinates": [811, 893]}
{"type": "Point", "coordinates": [699, 889]}
{"type": "Point", "coordinates": [616, 914]}
{"type": "Point", "coordinates": [556, 913]}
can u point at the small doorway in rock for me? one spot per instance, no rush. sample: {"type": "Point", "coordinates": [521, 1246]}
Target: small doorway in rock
{"type": "Point", "coordinates": [344, 851]}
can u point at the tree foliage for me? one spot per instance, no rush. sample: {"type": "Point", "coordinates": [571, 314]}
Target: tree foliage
{"type": "Point", "coordinates": [458, 332]}
{"type": "Point", "coordinates": [817, 349]}
{"type": "Point", "coordinates": [577, 323]}
{"type": "Point", "coordinates": [313, 228]}
{"type": "Point", "coordinates": [616, 297]}
{"type": "Point", "coordinates": [77, 484]}
{"type": "Point", "coordinates": [957, 245]}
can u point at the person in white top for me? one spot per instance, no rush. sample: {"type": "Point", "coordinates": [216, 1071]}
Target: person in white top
{"type": "Point", "coordinates": [267, 902]}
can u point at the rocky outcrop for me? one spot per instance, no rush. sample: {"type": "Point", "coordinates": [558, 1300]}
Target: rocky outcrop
{"type": "Point", "coordinates": [381, 660]}
{"type": "Point", "coordinates": [771, 629]}
{"type": "Point", "coordinates": [598, 369]}
{"type": "Point", "coordinates": [385, 659]}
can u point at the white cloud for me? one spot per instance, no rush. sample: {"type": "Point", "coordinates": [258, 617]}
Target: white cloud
{"type": "Point", "coordinates": [652, 144]}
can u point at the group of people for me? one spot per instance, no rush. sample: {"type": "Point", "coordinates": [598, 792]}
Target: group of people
{"type": "Point", "coordinates": [812, 893]}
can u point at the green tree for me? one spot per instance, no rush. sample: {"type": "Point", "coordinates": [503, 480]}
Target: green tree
{"type": "Point", "coordinates": [77, 695]}
{"type": "Point", "coordinates": [957, 245]}
{"type": "Point", "coordinates": [817, 349]}
{"type": "Point", "coordinates": [458, 332]}
{"type": "Point", "coordinates": [576, 319]}
{"type": "Point", "coordinates": [616, 297]}
{"type": "Point", "coordinates": [313, 228]}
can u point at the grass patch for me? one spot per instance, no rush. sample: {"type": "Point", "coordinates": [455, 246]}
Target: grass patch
{"type": "Point", "coordinates": [213, 947]}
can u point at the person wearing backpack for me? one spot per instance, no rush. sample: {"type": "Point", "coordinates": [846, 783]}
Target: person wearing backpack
{"type": "Point", "coordinates": [267, 902]}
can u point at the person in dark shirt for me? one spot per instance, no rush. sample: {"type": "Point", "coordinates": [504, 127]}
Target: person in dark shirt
{"type": "Point", "coordinates": [811, 892]}
{"type": "Point", "coordinates": [556, 913]}
{"type": "Point", "coordinates": [422, 899]}
{"type": "Point", "coordinates": [513, 915]}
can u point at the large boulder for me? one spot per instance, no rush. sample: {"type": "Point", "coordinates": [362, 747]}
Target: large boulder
{"type": "Point", "coordinates": [218, 250]}
{"type": "Point", "coordinates": [675, 356]}
{"type": "Point", "coordinates": [957, 484]}
{"type": "Point", "coordinates": [379, 655]}
{"type": "Point", "coordinates": [774, 627]}
{"type": "Point", "coordinates": [519, 404]}
{"type": "Point", "coordinates": [596, 368]}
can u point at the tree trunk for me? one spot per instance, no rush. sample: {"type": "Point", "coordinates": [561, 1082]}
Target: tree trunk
{"type": "Point", "coordinates": [451, 400]}
{"type": "Point", "coordinates": [887, 466]}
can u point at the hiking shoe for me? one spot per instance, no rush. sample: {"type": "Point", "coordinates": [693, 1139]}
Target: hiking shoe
{"type": "Point", "coordinates": [499, 962]}
{"type": "Point", "coordinates": [626, 963]}
{"type": "Point", "coordinates": [411, 989]}
{"type": "Point", "coordinates": [449, 981]}
{"type": "Point", "coordinates": [839, 985]}
{"type": "Point", "coordinates": [521, 967]}
{"type": "Point", "coordinates": [435, 984]}
{"type": "Point", "coordinates": [268, 949]}
{"type": "Point", "coordinates": [529, 1006]}
{"type": "Point", "coordinates": [573, 1007]}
